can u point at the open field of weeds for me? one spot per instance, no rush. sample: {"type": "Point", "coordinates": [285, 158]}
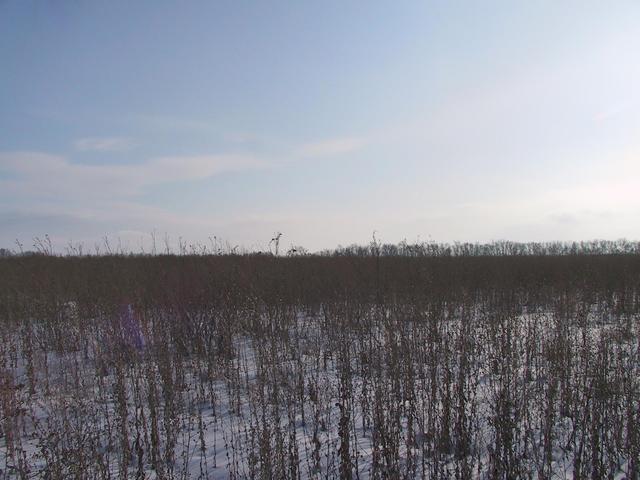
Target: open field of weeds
{"type": "Point", "coordinates": [362, 364]}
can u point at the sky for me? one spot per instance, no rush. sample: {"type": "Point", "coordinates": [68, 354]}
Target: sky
{"type": "Point", "coordinates": [326, 121]}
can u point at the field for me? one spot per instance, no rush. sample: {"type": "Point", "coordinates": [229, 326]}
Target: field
{"type": "Point", "coordinates": [501, 361]}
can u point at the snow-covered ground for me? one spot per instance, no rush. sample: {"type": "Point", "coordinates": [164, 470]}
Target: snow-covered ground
{"type": "Point", "coordinates": [455, 393]}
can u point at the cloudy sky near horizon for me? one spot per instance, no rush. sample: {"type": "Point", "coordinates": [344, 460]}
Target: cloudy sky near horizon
{"type": "Point", "coordinates": [469, 121]}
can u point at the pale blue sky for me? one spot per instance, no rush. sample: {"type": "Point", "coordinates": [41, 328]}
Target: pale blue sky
{"type": "Point", "coordinates": [466, 121]}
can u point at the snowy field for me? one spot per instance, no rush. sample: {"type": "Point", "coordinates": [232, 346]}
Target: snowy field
{"type": "Point", "coordinates": [446, 391]}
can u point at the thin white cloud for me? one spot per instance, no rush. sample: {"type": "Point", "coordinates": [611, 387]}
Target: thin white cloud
{"type": "Point", "coordinates": [49, 193]}
{"type": "Point", "coordinates": [332, 146]}
{"type": "Point", "coordinates": [104, 144]}
{"type": "Point", "coordinates": [40, 175]}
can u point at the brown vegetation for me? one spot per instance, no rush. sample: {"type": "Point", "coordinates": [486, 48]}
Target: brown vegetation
{"type": "Point", "coordinates": [425, 361]}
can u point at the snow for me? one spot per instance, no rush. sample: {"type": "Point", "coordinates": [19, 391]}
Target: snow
{"type": "Point", "coordinates": [276, 404]}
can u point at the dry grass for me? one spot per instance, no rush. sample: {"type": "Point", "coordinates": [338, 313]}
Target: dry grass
{"type": "Point", "coordinates": [381, 363]}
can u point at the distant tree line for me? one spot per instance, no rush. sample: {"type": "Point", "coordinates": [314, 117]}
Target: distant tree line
{"type": "Point", "coordinates": [375, 248]}
{"type": "Point", "coordinates": [492, 249]}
